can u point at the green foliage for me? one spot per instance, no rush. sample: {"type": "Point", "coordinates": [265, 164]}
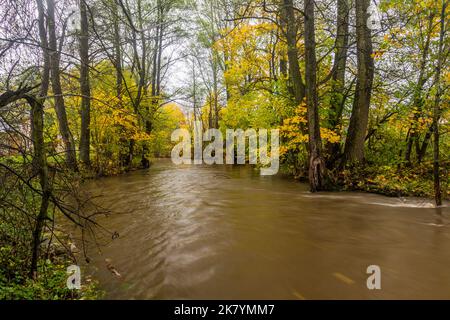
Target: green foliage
{"type": "Point", "coordinates": [394, 181]}
{"type": "Point", "coordinates": [49, 285]}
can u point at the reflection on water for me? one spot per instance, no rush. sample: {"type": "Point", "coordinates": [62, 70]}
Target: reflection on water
{"type": "Point", "coordinates": [220, 232]}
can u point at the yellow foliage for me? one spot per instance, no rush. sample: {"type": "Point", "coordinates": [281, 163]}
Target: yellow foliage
{"type": "Point", "coordinates": [292, 132]}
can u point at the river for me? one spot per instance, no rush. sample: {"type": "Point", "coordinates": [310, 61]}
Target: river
{"type": "Point", "coordinates": [222, 232]}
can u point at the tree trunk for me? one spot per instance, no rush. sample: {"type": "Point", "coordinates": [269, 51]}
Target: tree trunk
{"type": "Point", "coordinates": [63, 124]}
{"type": "Point", "coordinates": [424, 147]}
{"type": "Point", "coordinates": [436, 109]}
{"type": "Point", "coordinates": [156, 63]}
{"type": "Point", "coordinates": [338, 85]}
{"type": "Point", "coordinates": [142, 88]}
{"type": "Point", "coordinates": [85, 135]}
{"type": "Point", "coordinates": [40, 161]}
{"type": "Point", "coordinates": [160, 47]}
{"type": "Point", "coordinates": [287, 13]}
{"type": "Point", "coordinates": [45, 81]}
{"type": "Point", "coordinates": [354, 146]}
{"type": "Point", "coordinates": [37, 134]}
{"type": "Point", "coordinates": [117, 52]}
{"type": "Point", "coordinates": [45, 75]}
{"type": "Point", "coordinates": [316, 163]}
{"type": "Point", "coordinates": [215, 92]}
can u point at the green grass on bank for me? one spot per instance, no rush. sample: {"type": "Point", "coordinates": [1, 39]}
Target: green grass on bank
{"type": "Point", "coordinates": [49, 285]}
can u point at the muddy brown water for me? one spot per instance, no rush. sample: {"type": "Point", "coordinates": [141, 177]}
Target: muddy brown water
{"type": "Point", "coordinates": [221, 232]}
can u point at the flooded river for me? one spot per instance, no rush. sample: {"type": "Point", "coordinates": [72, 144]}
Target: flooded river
{"type": "Point", "coordinates": [221, 232]}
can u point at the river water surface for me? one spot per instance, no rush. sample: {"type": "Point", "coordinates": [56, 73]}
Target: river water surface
{"type": "Point", "coordinates": [221, 232]}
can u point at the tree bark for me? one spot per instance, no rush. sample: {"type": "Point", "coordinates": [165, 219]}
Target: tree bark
{"type": "Point", "coordinates": [142, 88]}
{"type": "Point", "coordinates": [40, 161]}
{"type": "Point", "coordinates": [354, 146]}
{"type": "Point", "coordinates": [85, 135]}
{"type": "Point", "coordinates": [117, 51]}
{"type": "Point", "coordinates": [316, 163]}
{"type": "Point", "coordinates": [338, 85]}
{"type": "Point", "coordinates": [424, 147]}
{"type": "Point", "coordinates": [287, 14]}
{"type": "Point", "coordinates": [436, 109]}
{"type": "Point", "coordinates": [215, 92]}
{"type": "Point", "coordinates": [63, 124]}
{"type": "Point", "coordinates": [45, 75]}
{"type": "Point", "coordinates": [37, 133]}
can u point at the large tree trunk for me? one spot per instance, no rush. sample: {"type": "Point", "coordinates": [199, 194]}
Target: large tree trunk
{"type": "Point", "coordinates": [45, 75]}
{"type": "Point", "coordinates": [156, 63]}
{"type": "Point", "coordinates": [37, 134]}
{"type": "Point", "coordinates": [354, 146]}
{"type": "Point", "coordinates": [85, 135]}
{"type": "Point", "coordinates": [424, 147]}
{"type": "Point", "coordinates": [45, 81]}
{"type": "Point", "coordinates": [283, 26]}
{"type": "Point", "coordinates": [142, 88]}
{"type": "Point", "coordinates": [40, 161]}
{"type": "Point", "coordinates": [117, 51]}
{"type": "Point", "coordinates": [214, 67]}
{"type": "Point", "coordinates": [436, 109]}
{"type": "Point", "coordinates": [215, 92]}
{"type": "Point", "coordinates": [140, 63]}
{"type": "Point", "coordinates": [63, 124]}
{"type": "Point", "coordinates": [338, 85]}
{"type": "Point", "coordinates": [316, 163]}
{"type": "Point", "coordinates": [160, 50]}
{"type": "Point", "coordinates": [126, 156]}
{"type": "Point", "coordinates": [155, 59]}
{"type": "Point", "coordinates": [287, 14]}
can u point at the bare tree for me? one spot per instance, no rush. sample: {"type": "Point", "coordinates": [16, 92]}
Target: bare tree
{"type": "Point", "coordinates": [60, 107]}
{"type": "Point", "coordinates": [85, 135]}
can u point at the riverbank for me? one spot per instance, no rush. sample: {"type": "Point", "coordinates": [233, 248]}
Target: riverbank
{"type": "Point", "coordinates": [395, 182]}
{"type": "Point", "coordinates": [50, 283]}
{"type": "Point", "coordinates": [18, 205]}
{"type": "Point", "coordinates": [388, 181]}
